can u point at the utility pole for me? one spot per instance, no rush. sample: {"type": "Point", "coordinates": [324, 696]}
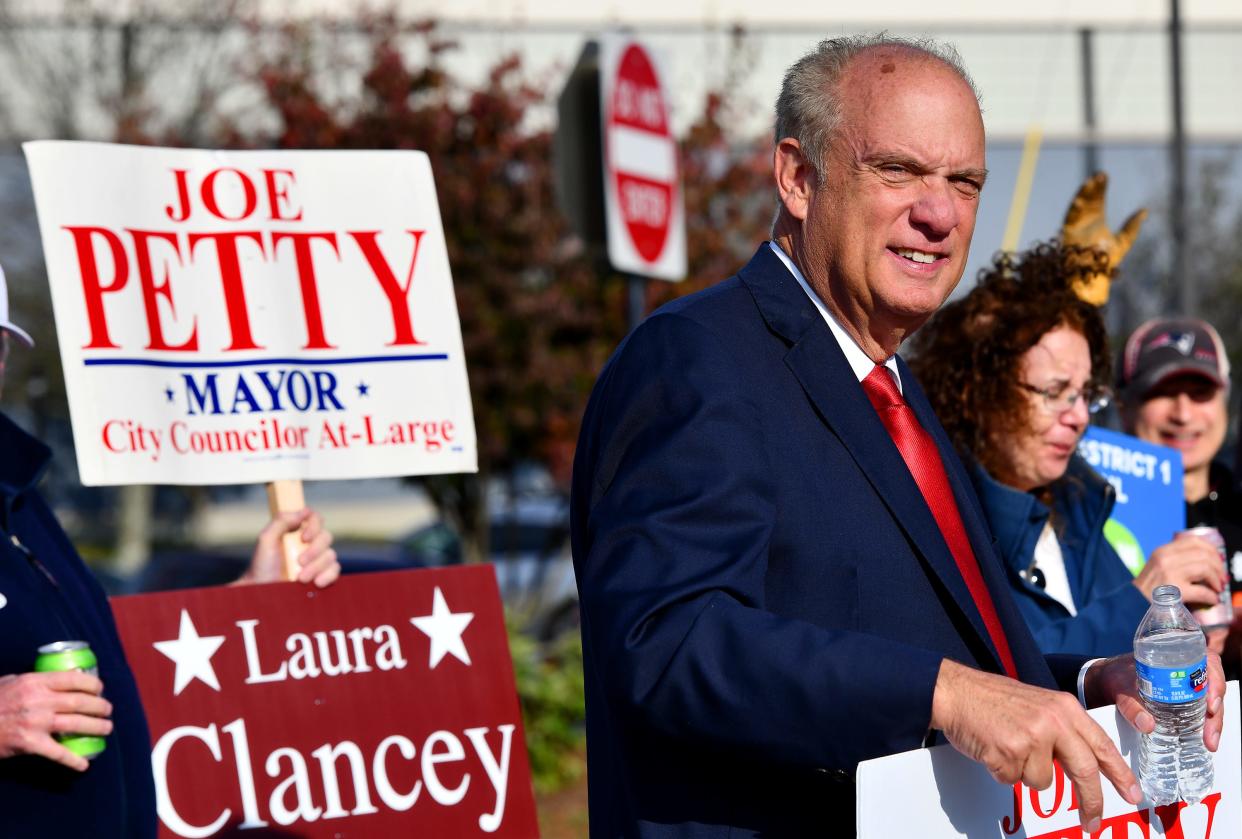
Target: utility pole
{"type": "Point", "coordinates": [1091, 160]}
{"type": "Point", "coordinates": [1182, 274]}
{"type": "Point", "coordinates": [637, 299]}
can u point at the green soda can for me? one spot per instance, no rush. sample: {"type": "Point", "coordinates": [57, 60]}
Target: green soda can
{"type": "Point", "coordinates": [72, 655]}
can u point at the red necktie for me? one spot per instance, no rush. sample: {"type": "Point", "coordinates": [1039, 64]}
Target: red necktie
{"type": "Point", "coordinates": [922, 458]}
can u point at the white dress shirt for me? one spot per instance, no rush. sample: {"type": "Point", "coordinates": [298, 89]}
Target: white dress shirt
{"type": "Point", "coordinates": [860, 363]}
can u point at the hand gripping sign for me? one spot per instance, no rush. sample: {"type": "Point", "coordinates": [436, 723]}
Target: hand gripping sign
{"type": "Point", "coordinates": [938, 793]}
{"type": "Point", "coordinates": [382, 706]}
{"type": "Point", "coordinates": [231, 317]}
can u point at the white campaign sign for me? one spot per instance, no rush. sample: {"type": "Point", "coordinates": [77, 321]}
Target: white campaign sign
{"type": "Point", "coordinates": [238, 317]}
{"type": "Point", "coordinates": [643, 206]}
{"type": "Point", "coordinates": [938, 793]}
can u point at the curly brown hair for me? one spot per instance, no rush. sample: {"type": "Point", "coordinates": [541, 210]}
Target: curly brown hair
{"type": "Point", "coordinates": [967, 357]}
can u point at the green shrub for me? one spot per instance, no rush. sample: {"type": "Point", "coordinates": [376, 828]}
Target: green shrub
{"type": "Point", "coordinates": [550, 691]}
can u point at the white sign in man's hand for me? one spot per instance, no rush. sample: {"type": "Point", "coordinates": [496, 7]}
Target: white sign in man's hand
{"type": "Point", "coordinates": [938, 793]}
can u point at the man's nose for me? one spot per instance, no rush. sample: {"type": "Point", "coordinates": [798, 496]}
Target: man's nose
{"type": "Point", "coordinates": [935, 210]}
{"type": "Point", "coordinates": [1181, 407]}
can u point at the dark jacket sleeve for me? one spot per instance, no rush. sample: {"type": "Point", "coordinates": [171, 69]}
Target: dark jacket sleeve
{"type": "Point", "coordinates": [1065, 670]}
{"type": "Point", "coordinates": [676, 522]}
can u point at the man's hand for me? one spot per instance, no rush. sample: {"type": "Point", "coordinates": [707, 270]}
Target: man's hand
{"type": "Point", "coordinates": [1017, 730]}
{"type": "Point", "coordinates": [1189, 562]}
{"type": "Point", "coordinates": [1217, 638]}
{"type": "Point", "coordinates": [1111, 682]}
{"type": "Point", "coordinates": [318, 561]}
{"type": "Point", "coordinates": [35, 706]}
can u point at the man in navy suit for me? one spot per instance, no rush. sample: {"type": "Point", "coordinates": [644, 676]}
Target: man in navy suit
{"type": "Point", "coordinates": [770, 594]}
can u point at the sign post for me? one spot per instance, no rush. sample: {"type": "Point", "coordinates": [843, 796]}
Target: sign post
{"type": "Point", "coordinates": [618, 175]}
{"type": "Point", "coordinates": [643, 204]}
{"type": "Point", "coordinates": [643, 207]}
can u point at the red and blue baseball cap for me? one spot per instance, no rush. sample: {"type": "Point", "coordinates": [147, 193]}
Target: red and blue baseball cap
{"type": "Point", "coordinates": [1167, 347]}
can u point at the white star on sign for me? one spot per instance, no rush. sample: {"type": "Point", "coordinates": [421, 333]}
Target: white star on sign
{"type": "Point", "coordinates": [444, 628]}
{"type": "Point", "coordinates": [192, 654]}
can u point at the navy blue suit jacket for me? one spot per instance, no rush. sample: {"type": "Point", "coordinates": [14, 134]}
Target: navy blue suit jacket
{"type": "Point", "coordinates": [766, 598]}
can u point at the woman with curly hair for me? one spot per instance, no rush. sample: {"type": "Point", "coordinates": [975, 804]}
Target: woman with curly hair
{"type": "Point", "coordinates": [1014, 370]}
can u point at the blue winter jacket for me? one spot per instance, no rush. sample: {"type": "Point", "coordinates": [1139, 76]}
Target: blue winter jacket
{"type": "Point", "coordinates": [1109, 605]}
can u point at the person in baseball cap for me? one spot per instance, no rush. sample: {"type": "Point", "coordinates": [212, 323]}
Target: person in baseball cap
{"type": "Point", "coordinates": [1174, 388]}
{"type": "Point", "coordinates": [1173, 384]}
{"type": "Point", "coordinates": [1164, 348]}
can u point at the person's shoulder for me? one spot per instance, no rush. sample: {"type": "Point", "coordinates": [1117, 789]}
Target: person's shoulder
{"type": "Point", "coordinates": [716, 335]}
{"type": "Point", "coordinates": [1083, 472]}
{"type": "Point", "coordinates": [1224, 482]}
{"type": "Point", "coordinates": [762, 293]}
{"type": "Point", "coordinates": [708, 305]}
{"type": "Point", "coordinates": [718, 314]}
{"type": "Point", "coordinates": [1082, 496]}
{"type": "Point", "coordinates": [708, 340]}
{"type": "Point", "coordinates": [1223, 478]}
{"type": "Point", "coordinates": [703, 324]}
{"type": "Point", "coordinates": [734, 297]}
{"type": "Point", "coordinates": [23, 457]}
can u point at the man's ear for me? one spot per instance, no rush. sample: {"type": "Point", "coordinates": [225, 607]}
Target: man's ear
{"type": "Point", "coordinates": [795, 177]}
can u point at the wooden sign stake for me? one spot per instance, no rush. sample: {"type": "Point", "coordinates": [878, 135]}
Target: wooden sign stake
{"type": "Point", "coordinates": [286, 497]}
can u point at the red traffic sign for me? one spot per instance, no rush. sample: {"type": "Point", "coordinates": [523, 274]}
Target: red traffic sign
{"type": "Point", "coordinates": [642, 182]}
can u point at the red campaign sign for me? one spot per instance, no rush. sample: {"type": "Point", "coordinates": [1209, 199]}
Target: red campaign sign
{"type": "Point", "coordinates": [381, 706]}
{"type": "Point", "coordinates": [641, 148]}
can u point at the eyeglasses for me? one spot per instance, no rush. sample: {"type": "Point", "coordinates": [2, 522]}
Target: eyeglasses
{"type": "Point", "coordinates": [1060, 398]}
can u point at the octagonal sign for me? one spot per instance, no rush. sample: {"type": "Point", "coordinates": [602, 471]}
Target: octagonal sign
{"type": "Point", "coordinates": [642, 181]}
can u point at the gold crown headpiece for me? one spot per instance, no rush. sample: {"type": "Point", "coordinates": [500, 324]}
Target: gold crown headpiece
{"type": "Point", "coordinates": [1086, 227]}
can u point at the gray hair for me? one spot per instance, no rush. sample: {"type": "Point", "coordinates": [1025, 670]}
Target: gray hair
{"type": "Point", "coordinates": [809, 106]}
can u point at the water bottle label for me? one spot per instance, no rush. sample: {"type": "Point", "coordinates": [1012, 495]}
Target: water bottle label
{"type": "Point", "coordinates": [1170, 685]}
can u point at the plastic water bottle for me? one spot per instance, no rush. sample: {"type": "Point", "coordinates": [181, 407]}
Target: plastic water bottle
{"type": "Point", "coordinates": [1170, 657]}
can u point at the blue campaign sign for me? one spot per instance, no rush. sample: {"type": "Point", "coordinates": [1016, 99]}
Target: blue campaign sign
{"type": "Point", "coordinates": [1148, 480]}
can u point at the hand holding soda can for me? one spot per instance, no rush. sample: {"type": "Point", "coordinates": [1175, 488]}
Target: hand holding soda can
{"type": "Point", "coordinates": [72, 655]}
{"type": "Point", "coordinates": [1219, 616]}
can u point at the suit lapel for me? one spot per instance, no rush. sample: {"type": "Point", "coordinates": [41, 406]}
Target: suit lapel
{"type": "Point", "coordinates": [821, 368]}
{"type": "Point", "coordinates": [994, 575]}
